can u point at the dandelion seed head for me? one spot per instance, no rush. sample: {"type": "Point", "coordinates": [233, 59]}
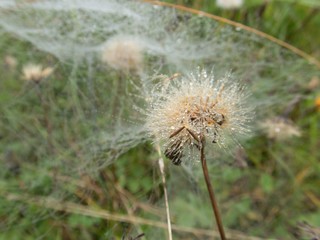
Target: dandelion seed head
{"type": "Point", "coordinates": [195, 106]}
{"type": "Point", "coordinates": [123, 54]}
{"type": "Point", "coordinates": [279, 128]}
{"type": "Point", "coordinates": [36, 73]}
{"type": "Point", "coordinates": [229, 4]}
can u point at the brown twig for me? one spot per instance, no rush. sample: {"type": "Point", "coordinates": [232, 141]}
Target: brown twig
{"type": "Point", "coordinates": [210, 190]}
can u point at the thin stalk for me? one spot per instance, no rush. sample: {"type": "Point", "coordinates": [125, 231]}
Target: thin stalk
{"type": "Point", "coordinates": [161, 166]}
{"type": "Point", "coordinates": [116, 106]}
{"type": "Point", "coordinates": [210, 191]}
{"type": "Point", "coordinates": [46, 118]}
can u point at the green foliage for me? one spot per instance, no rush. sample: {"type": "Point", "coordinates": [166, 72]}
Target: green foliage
{"type": "Point", "coordinates": [267, 183]}
{"type": "Point", "coordinates": [191, 211]}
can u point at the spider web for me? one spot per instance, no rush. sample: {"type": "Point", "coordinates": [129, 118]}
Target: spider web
{"type": "Point", "coordinates": [99, 124]}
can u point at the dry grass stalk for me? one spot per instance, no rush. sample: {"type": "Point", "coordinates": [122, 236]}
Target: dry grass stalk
{"type": "Point", "coordinates": [73, 208]}
{"type": "Point", "coordinates": [161, 167]}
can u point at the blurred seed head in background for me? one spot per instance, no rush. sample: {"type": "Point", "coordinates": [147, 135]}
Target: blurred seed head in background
{"type": "Point", "coordinates": [11, 62]}
{"type": "Point", "coordinates": [123, 54]}
{"type": "Point", "coordinates": [280, 128]}
{"type": "Point", "coordinates": [35, 72]}
{"type": "Point", "coordinates": [229, 4]}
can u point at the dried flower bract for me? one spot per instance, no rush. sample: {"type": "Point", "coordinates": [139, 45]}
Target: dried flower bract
{"type": "Point", "coordinates": [36, 73]}
{"type": "Point", "coordinates": [189, 108]}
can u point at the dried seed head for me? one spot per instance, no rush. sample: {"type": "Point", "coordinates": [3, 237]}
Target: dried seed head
{"type": "Point", "coordinates": [11, 62]}
{"type": "Point", "coordinates": [189, 108]}
{"type": "Point", "coordinates": [314, 83]}
{"type": "Point", "coordinates": [123, 54]}
{"type": "Point", "coordinates": [36, 73]}
{"type": "Point", "coordinates": [280, 128]}
{"type": "Point", "coordinates": [229, 4]}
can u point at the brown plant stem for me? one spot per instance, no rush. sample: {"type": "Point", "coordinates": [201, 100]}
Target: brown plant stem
{"type": "Point", "coordinates": [210, 191]}
{"type": "Point", "coordinates": [46, 118]}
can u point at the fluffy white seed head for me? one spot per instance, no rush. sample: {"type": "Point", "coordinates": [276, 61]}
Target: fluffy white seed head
{"type": "Point", "coordinates": [36, 73]}
{"type": "Point", "coordinates": [229, 4]}
{"type": "Point", "coordinates": [185, 109]}
{"type": "Point", "coordinates": [279, 128]}
{"type": "Point", "coordinates": [123, 54]}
